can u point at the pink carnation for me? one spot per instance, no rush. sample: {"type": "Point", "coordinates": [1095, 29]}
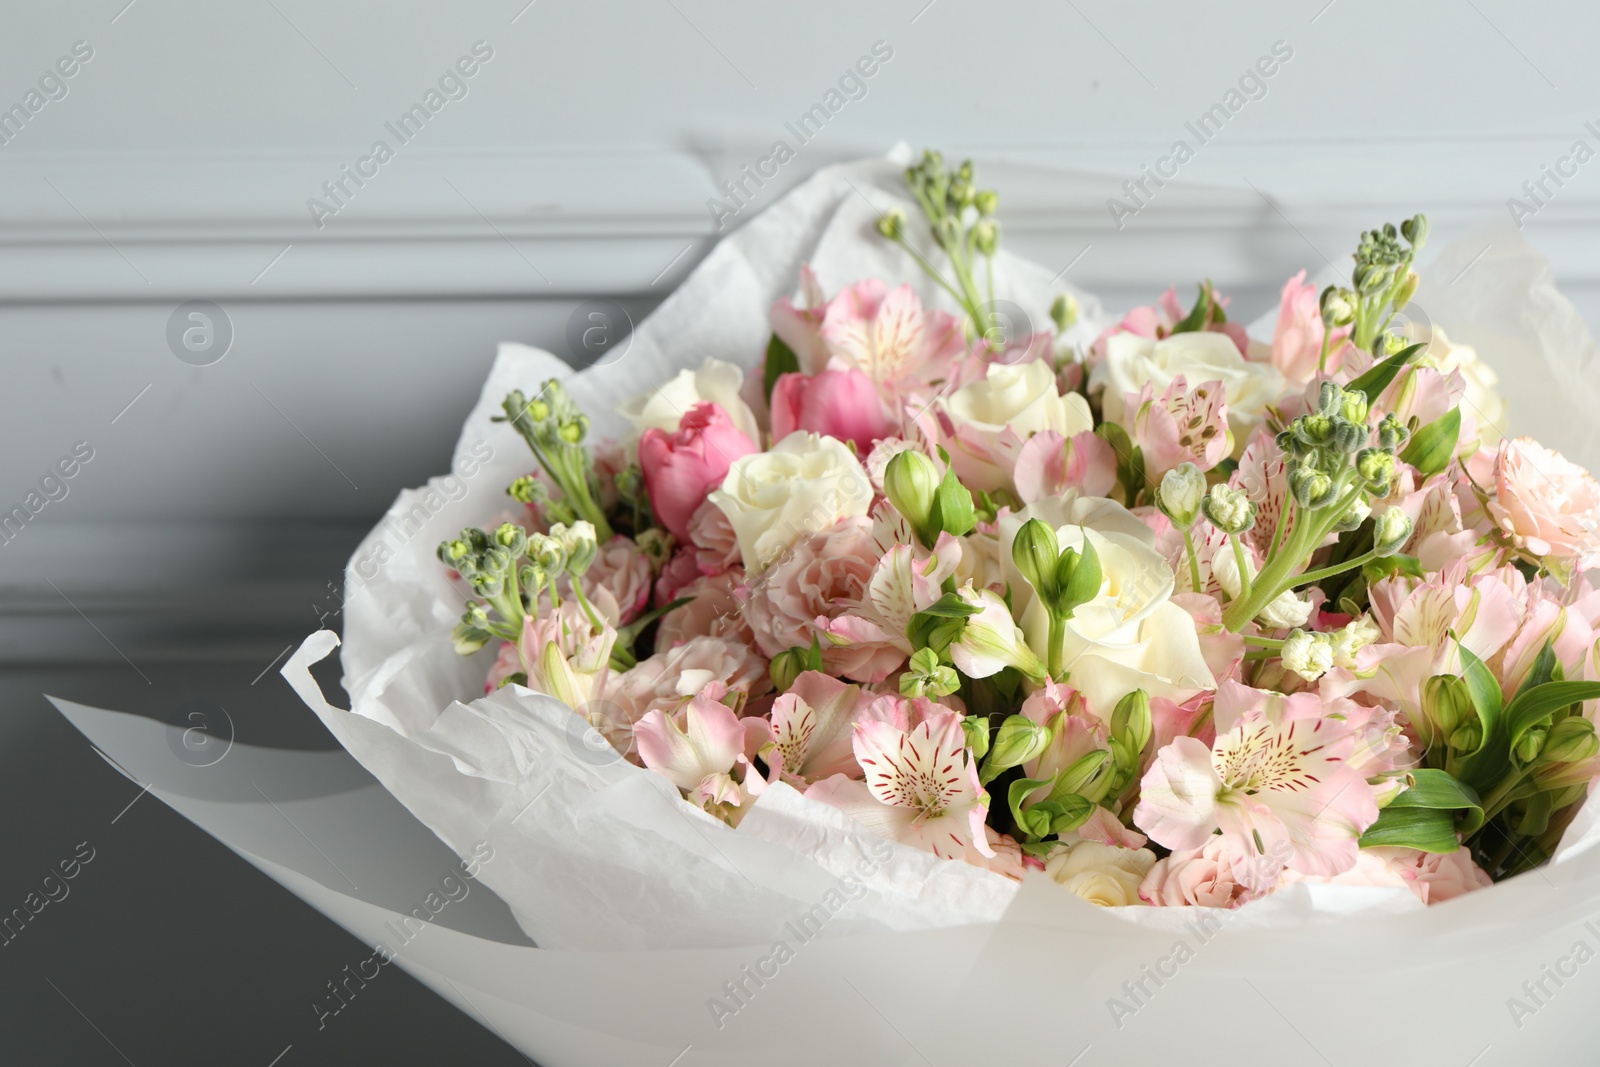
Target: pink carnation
{"type": "Point", "coordinates": [665, 682]}
{"type": "Point", "coordinates": [622, 570]}
{"type": "Point", "coordinates": [1199, 877]}
{"type": "Point", "coordinates": [1547, 505]}
{"type": "Point", "coordinates": [820, 578]}
{"type": "Point", "coordinates": [714, 611]}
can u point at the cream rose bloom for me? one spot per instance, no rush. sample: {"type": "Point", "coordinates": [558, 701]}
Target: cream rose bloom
{"type": "Point", "coordinates": [664, 406]}
{"type": "Point", "coordinates": [1200, 356]}
{"type": "Point", "coordinates": [1482, 399]}
{"type": "Point", "coordinates": [1107, 875]}
{"type": "Point", "coordinates": [1021, 398]}
{"type": "Point", "coordinates": [1131, 636]}
{"type": "Point", "coordinates": [802, 485]}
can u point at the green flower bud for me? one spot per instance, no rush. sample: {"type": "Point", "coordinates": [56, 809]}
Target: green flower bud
{"type": "Point", "coordinates": [657, 545]}
{"type": "Point", "coordinates": [1354, 406]}
{"type": "Point", "coordinates": [1392, 433]}
{"type": "Point", "coordinates": [1376, 467]}
{"type": "Point", "coordinates": [1064, 312]}
{"type": "Point", "coordinates": [579, 543]}
{"type": "Point", "coordinates": [1415, 230]}
{"type": "Point", "coordinates": [467, 639]}
{"type": "Point", "coordinates": [925, 676]}
{"type": "Point", "coordinates": [1130, 721]}
{"type": "Point", "coordinates": [1018, 740]}
{"type": "Point", "coordinates": [1348, 437]}
{"type": "Point", "coordinates": [986, 201]}
{"type": "Point", "coordinates": [893, 224]}
{"type": "Point", "coordinates": [1390, 531]}
{"type": "Point", "coordinates": [962, 193]}
{"type": "Point", "coordinates": [1531, 744]}
{"type": "Point", "coordinates": [533, 580]}
{"type": "Point", "coordinates": [1572, 740]}
{"type": "Point", "coordinates": [1315, 431]}
{"type": "Point", "coordinates": [986, 237]}
{"type": "Point", "coordinates": [1037, 553]}
{"type": "Point", "coordinates": [976, 727]}
{"type": "Point", "coordinates": [786, 666]}
{"type": "Point", "coordinates": [1311, 488]}
{"type": "Point", "coordinates": [527, 490]}
{"type": "Point", "coordinates": [911, 481]}
{"type": "Point", "coordinates": [947, 232]}
{"type": "Point", "coordinates": [1407, 290]}
{"type": "Point", "coordinates": [452, 553]}
{"type": "Point", "coordinates": [1330, 398]}
{"type": "Point", "coordinates": [547, 551]}
{"type": "Point", "coordinates": [1446, 704]}
{"type": "Point", "coordinates": [1228, 509]}
{"type": "Point", "coordinates": [1338, 307]}
{"type": "Point", "coordinates": [1180, 494]}
{"type": "Point", "coordinates": [1468, 737]}
{"type": "Point", "coordinates": [1371, 277]}
{"type": "Point", "coordinates": [1088, 777]}
{"type": "Point", "coordinates": [511, 537]}
{"type": "Point", "coordinates": [1392, 343]}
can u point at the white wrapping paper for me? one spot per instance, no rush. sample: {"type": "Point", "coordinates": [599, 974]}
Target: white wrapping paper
{"type": "Point", "coordinates": [658, 927]}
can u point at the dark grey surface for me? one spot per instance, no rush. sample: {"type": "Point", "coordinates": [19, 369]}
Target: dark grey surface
{"type": "Point", "coordinates": [168, 948]}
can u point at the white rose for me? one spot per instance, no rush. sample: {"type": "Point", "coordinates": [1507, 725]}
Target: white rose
{"type": "Point", "coordinates": [1482, 400]}
{"type": "Point", "coordinates": [802, 486]}
{"type": "Point", "coordinates": [1129, 637]}
{"type": "Point", "coordinates": [665, 406]}
{"type": "Point", "coordinates": [1020, 397]}
{"type": "Point", "coordinates": [1101, 874]}
{"type": "Point", "coordinates": [1200, 356]}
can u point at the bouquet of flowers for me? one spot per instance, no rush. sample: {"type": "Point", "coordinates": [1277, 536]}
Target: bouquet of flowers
{"type": "Point", "coordinates": [1174, 616]}
{"type": "Point", "coordinates": [794, 708]}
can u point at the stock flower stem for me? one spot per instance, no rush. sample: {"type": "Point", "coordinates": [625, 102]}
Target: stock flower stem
{"type": "Point", "coordinates": [1194, 562]}
{"type": "Point", "coordinates": [1238, 559]}
{"type": "Point", "coordinates": [1310, 577]}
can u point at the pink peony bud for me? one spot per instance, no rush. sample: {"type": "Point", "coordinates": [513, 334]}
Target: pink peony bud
{"type": "Point", "coordinates": [837, 403]}
{"type": "Point", "coordinates": [680, 468]}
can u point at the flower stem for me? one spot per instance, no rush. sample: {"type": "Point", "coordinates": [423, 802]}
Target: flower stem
{"type": "Point", "coordinates": [1194, 562]}
{"type": "Point", "coordinates": [1058, 629]}
{"type": "Point", "coordinates": [1310, 577]}
{"type": "Point", "coordinates": [1238, 559]}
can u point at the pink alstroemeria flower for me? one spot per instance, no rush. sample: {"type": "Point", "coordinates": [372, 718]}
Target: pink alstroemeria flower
{"type": "Point", "coordinates": [702, 755]}
{"type": "Point", "coordinates": [1180, 425]}
{"type": "Point", "coordinates": [1276, 783]}
{"type": "Point", "coordinates": [812, 729]}
{"type": "Point", "coordinates": [889, 335]}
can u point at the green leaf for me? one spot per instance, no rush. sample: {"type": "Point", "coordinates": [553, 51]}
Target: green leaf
{"type": "Point", "coordinates": [1375, 570]}
{"type": "Point", "coordinates": [1067, 813]}
{"type": "Point", "coordinates": [1083, 584]}
{"type": "Point", "coordinates": [1199, 315]}
{"type": "Point", "coordinates": [1436, 790]}
{"type": "Point", "coordinates": [1433, 447]}
{"type": "Point", "coordinates": [1533, 706]}
{"type": "Point", "coordinates": [1381, 373]}
{"type": "Point", "coordinates": [1492, 758]}
{"type": "Point", "coordinates": [1031, 821]}
{"type": "Point", "coordinates": [1428, 829]}
{"type": "Point", "coordinates": [952, 504]}
{"type": "Point", "coordinates": [780, 360]}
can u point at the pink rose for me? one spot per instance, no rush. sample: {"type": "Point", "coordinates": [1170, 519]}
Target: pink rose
{"type": "Point", "coordinates": [839, 403]}
{"type": "Point", "coordinates": [680, 468]}
{"type": "Point", "coordinates": [1548, 505]}
{"type": "Point", "coordinates": [820, 578]}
